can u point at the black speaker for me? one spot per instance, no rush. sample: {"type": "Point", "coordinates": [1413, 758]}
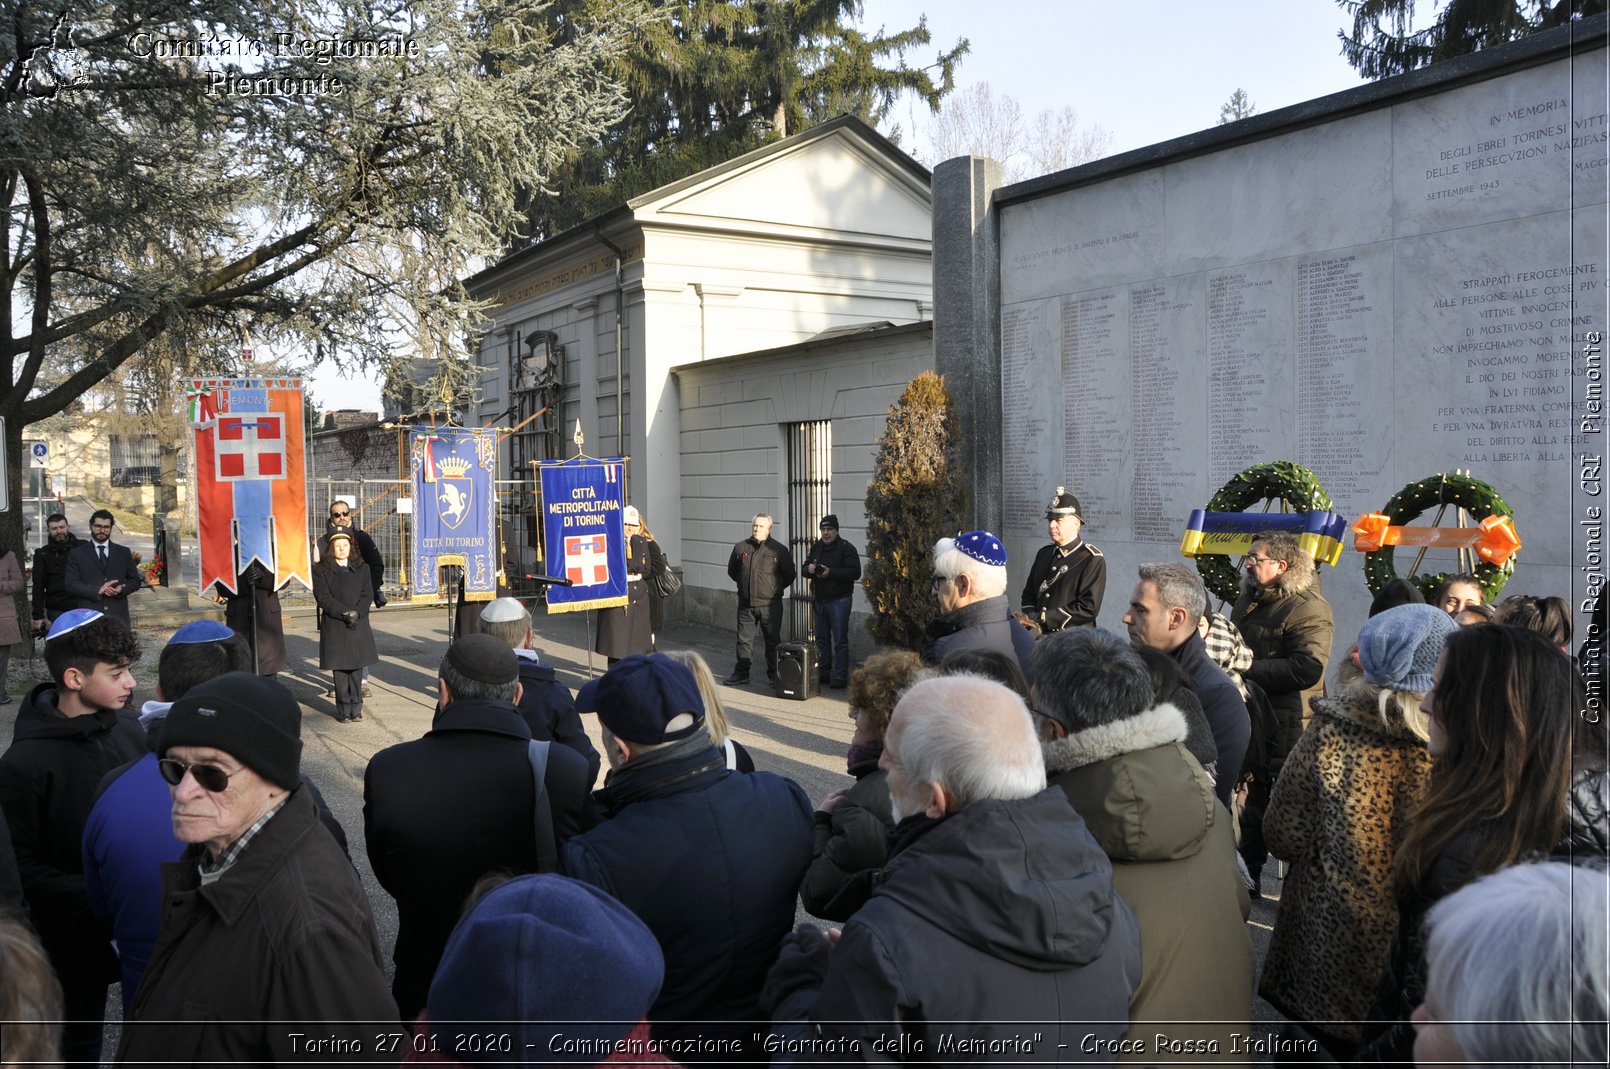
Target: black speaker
{"type": "Point", "coordinates": [796, 670]}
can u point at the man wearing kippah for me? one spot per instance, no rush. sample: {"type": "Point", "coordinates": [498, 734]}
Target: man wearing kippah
{"type": "Point", "coordinates": [267, 942]}
{"type": "Point", "coordinates": [970, 586]}
{"type": "Point", "coordinates": [442, 811]}
{"type": "Point", "coordinates": [1068, 577]}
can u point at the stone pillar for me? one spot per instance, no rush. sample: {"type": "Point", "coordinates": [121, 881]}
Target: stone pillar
{"type": "Point", "coordinates": [967, 306]}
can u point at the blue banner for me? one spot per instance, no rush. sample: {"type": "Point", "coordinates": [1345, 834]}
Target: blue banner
{"type": "Point", "coordinates": [455, 509]}
{"type": "Point", "coordinates": [582, 534]}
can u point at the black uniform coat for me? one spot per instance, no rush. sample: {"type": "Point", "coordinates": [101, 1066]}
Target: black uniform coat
{"type": "Point", "coordinates": [282, 942]}
{"type": "Point", "coordinates": [1065, 586]}
{"type": "Point", "coordinates": [339, 589]}
{"type": "Point", "coordinates": [85, 576]}
{"type": "Point", "coordinates": [444, 810]}
{"type": "Point", "coordinates": [258, 582]}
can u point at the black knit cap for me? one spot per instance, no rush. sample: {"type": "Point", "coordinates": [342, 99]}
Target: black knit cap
{"type": "Point", "coordinates": [830, 520]}
{"type": "Point", "coordinates": [484, 659]}
{"type": "Point", "coordinates": [251, 718]}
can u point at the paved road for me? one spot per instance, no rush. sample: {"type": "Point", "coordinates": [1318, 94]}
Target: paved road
{"type": "Point", "coordinates": [803, 740]}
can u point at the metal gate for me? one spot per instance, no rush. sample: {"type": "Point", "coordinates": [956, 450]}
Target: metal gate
{"type": "Point", "coordinates": [810, 497]}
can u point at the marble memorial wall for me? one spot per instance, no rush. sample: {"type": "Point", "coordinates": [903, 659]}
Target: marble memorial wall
{"type": "Point", "coordinates": [1380, 297]}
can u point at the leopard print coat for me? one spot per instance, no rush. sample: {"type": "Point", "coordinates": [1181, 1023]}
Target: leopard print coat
{"type": "Point", "coordinates": [1337, 815]}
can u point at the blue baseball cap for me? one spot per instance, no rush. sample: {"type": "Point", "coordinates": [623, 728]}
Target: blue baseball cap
{"type": "Point", "coordinates": [640, 695]}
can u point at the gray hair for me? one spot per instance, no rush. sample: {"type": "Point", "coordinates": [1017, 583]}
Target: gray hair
{"type": "Point", "coordinates": [1516, 965]}
{"type": "Point", "coordinates": [463, 688]}
{"type": "Point", "coordinates": [1084, 676]}
{"type": "Point", "coordinates": [987, 580]}
{"type": "Point", "coordinates": [972, 736]}
{"type": "Point", "coordinates": [1178, 587]}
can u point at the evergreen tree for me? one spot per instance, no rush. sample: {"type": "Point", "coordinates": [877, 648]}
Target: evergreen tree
{"type": "Point", "coordinates": [713, 79]}
{"type": "Point", "coordinates": [1383, 41]}
{"type": "Point", "coordinates": [175, 171]}
{"type": "Point", "coordinates": [917, 496]}
{"type": "Point", "coordinates": [1238, 107]}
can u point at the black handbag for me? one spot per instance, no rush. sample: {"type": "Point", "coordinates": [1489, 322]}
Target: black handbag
{"type": "Point", "coordinates": [664, 582]}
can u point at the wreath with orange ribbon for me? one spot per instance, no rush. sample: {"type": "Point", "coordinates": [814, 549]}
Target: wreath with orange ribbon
{"type": "Point", "coordinates": [1496, 546]}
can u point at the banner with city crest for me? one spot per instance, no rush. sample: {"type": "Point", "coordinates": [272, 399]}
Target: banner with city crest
{"type": "Point", "coordinates": [455, 509]}
{"type": "Point", "coordinates": [584, 539]}
{"type": "Point", "coordinates": [251, 479]}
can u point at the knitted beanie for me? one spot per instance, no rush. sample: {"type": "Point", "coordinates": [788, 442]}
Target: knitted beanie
{"type": "Point", "coordinates": [1398, 649]}
{"type": "Point", "coordinates": [544, 957]}
{"type": "Point", "coordinates": [251, 718]}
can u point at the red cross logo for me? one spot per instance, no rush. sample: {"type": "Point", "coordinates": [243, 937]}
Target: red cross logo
{"type": "Point", "coordinates": [586, 559]}
{"type": "Point", "coordinates": [249, 446]}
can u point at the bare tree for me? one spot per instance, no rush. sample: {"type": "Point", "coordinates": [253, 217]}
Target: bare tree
{"type": "Point", "coordinates": [977, 122]}
{"type": "Point", "coordinates": [1238, 107]}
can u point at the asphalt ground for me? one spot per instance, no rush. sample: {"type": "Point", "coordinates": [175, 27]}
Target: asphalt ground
{"type": "Point", "coordinates": [803, 740]}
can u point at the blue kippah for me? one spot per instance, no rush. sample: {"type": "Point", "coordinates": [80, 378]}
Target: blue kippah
{"type": "Point", "coordinates": [200, 631]}
{"type": "Point", "coordinates": [982, 546]}
{"type": "Point", "coordinates": [72, 620]}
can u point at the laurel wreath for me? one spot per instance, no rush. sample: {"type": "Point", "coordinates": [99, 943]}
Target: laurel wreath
{"type": "Point", "coordinates": [1279, 480]}
{"type": "Point", "coordinates": [1475, 497]}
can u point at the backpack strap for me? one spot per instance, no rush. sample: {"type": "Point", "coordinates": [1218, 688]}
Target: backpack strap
{"type": "Point", "coordinates": [547, 848]}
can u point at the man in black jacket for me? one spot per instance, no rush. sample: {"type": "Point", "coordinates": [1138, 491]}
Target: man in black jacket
{"type": "Point", "coordinates": [545, 704]}
{"type": "Point", "coordinates": [442, 811]}
{"type": "Point", "coordinates": [1163, 613]}
{"type": "Point", "coordinates": [763, 569]}
{"type": "Point", "coordinates": [51, 596]}
{"type": "Point", "coordinates": [832, 566]}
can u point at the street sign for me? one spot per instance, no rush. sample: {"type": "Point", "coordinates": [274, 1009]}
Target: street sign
{"type": "Point", "coordinates": [39, 454]}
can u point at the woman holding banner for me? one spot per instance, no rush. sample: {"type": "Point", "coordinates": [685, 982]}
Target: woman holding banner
{"type": "Point", "coordinates": [628, 629]}
{"type": "Point", "coordinates": [343, 591]}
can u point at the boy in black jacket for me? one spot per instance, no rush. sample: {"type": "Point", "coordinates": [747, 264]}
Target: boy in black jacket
{"type": "Point", "coordinates": [69, 734]}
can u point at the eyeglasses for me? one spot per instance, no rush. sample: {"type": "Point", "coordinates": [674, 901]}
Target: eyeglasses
{"type": "Point", "coordinates": [1253, 558]}
{"type": "Point", "coordinates": [340, 515]}
{"type": "Point", "coordinates": [209, 778]}
{"type": "Point", "coordinates": [940, 580]}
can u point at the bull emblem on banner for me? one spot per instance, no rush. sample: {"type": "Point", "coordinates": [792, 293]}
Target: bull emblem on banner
{"type": "Point", "coordinates": [455, 490]}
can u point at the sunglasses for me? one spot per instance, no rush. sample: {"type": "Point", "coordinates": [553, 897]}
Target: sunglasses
{"type": "Point", "coordinates": [340, 515]}
{"type": "Point", "coordinates": [209, 778]}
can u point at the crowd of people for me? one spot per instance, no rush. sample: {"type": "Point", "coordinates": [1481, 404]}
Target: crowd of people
{"type": "Point", "coordinates": [1045, 849]}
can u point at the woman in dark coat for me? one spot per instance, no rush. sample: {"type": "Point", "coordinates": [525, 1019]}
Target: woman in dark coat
{"type": "Point", "coordinates": [343, 591]}
{"type": "Point", "coordinates": [627, 629]}
{"type": "Point", "coordinates": [269, 634]}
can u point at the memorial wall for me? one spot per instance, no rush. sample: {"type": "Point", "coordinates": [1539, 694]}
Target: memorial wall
{"type": "Point", "coordinates": [1382, 296]}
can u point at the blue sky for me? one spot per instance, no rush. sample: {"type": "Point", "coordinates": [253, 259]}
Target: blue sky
{"type": "Point", "coordinates": [1146, 72]}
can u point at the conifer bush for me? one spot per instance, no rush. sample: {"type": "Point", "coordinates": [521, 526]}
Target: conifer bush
{"type": "Point", "coordinates": [916, 497]}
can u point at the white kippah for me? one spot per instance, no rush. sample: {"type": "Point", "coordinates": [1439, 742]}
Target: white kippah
{"type": "Point", "coordinates": [502, 610]}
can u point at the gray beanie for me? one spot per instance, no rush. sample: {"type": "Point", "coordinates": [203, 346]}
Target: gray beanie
{"type": "Point", "coordinates": [1398, 649]}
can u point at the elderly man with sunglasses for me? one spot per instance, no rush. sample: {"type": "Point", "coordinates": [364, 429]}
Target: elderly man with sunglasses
{"type": "Point", "coordinates": [267, 951]}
